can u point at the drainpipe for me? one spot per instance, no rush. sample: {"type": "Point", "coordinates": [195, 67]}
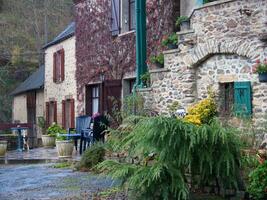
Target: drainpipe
{"type": "Point", "coordinates": [141, 49]}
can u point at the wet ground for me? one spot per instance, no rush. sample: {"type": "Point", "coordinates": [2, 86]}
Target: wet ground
{"type": "Point", "coordinates": [37, 155]}
{"type": "Point", "coordinates": [43, 182]}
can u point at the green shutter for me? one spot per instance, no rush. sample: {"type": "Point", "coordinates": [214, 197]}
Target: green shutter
{"type": "Point", "coordinates": [243, 98]}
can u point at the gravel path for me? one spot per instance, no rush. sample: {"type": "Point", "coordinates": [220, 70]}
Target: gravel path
{"type": "Point", "coordinates": [43, 182]}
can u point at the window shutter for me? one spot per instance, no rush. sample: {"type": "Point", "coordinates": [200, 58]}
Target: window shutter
{"type": "Point", "coordinates": [62, 56]}
{"type": "Point", "coordinates": [63, 114]}
{"type": "Point", "coordinates": [54, 67]}
{"type": "Point", "coordinates": [115, 17]}
{"type": "Point", "coordinates": [112, 94]}
{"type": "Point", "coordinates": [243, 98]}
{"type": "Point", "coordinates": [72, 113]}
{"type": "Point", "coordinates": [47, 113]}
{"type": "Point", "coordinates": [89, 102]}
{"type": "Point", "coordinates": [55, 111]}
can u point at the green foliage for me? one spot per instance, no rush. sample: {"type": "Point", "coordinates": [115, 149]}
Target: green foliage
{"type": "Point", "coordinates": [260, 67]}
{"type": "Point", "coordinates": [145, 78]}
{"type": "Point", "coordinates": [173, 107]}
{"type": "Point", "coordinates": [54, 130]}
{"type": "Point", "coordinates": [181, 19]}
{"type": "Point", "coordinates": [158, 59]}
{"type": "Point", "coordinates": [171, 39]}
{"type": "Point", "coordinates": [208, 1]}
{"type": "Point", "coordinates": [133, 105]}
{"type": "Point", "coordinates": [62, 165]}
{"type": "Point", "coordinates": [42, 124]}
{"type": "Point", "coordinates": [258, 182]}
{"type": "Point", "coordinates": [92, 156]}
{"type": "Point", "coordinates": [167, 149]}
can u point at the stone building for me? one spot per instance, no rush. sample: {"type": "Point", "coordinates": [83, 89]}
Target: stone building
{"type": "Point", "coordinates": [28, 104]}
{"type": "Point", "coordinates": [105, 47]}
{"type": "Point", "coordinates": [223, 44]}
{"type": "Point", "coordinates": [60, 81]}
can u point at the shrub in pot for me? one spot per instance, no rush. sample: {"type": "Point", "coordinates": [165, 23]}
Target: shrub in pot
{"type": "Point", "coordinates": [64, 147]}
{"type": "Point", "coordinates": [183, 22]}
{"type": "Point", "coordinates": [158, 60]}
{"type": "Point", "coordinates": [3, 148]}
{"type": "Point", "coordinates": [145, 78]}
{"type": "Point", "coordinates": [171, 41]}
{"type": "Point", "coordinates": [49, 140]}
{"type": "Point", "coordinates": [261, 69]}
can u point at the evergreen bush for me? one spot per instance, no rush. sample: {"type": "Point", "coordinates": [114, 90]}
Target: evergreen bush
{"type": "Point", "coordinates": [92, 156]}
{"type": "Point", "coordinates": [167, 150]}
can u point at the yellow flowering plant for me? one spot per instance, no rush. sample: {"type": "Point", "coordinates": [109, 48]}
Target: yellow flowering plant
{"type": "Point", "coordinates": [202, 112]}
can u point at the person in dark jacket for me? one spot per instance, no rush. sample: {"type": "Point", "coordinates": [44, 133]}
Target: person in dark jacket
{"type": "Point", "coordinates": [100, 124]}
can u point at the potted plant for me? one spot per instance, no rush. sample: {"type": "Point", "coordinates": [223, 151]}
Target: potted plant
{"type": "Point", "coordinates": [64, 146]}
{"type": "Point", "coordinates": [158, 60]}
{"type": "Point", "coordinates": [3, 148]}
{"type": "Point", "coordinates": [261, 69]}
{"type": "Point", "coordinates": [145, 78]}
{"type": "Point", "coordinates": [183, 22]}
{"type": "Point", "coordinates": [171, 41]}
{"type": "Point", "coordinates": [49, 140]}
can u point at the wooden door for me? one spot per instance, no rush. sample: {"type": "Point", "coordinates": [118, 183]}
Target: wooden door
{"type": "Point", "coordinates": [31, 118]}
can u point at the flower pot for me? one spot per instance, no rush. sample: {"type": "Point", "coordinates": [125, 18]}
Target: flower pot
{"type": "Point", "coordinates": [65, 148]}
{"type": "Point", "coordinates": [159, 65]}
{"type": "Point", "coordinates": [263, 77]}
{"type": "Point", "coordinates": [172, 46]}
{"type": "Point", "coordinates": [185, 25]}
{"type": "Point", "coordinates": [3, 148]}
{"type": "Point", "coordinates": [48, 141]}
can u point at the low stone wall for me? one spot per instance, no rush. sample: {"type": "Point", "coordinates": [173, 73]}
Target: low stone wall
{"type": "Point", "coordinates": [12, 141]}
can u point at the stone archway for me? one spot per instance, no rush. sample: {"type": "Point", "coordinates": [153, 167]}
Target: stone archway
{"type": "Point", "coordinates": [202, 51]}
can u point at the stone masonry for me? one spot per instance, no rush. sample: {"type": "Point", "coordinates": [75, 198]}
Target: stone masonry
{"type": "Point", "coordinates": [222, 45]}
{"type": "Point", "coordinates": [67, 89]}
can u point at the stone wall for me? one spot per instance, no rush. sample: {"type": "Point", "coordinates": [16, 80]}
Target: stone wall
{"type": "Point", "coordinates": [223, 43]}
{"type": "Point", "coordinates": [97, 49]}
{"type": "Point", "coordinates": [20, 108]}
{"type": "Point", "coordinates": [67, 89]}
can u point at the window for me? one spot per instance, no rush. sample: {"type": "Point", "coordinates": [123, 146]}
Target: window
{"type": "Point", "coordinates": [95, 99]}
{"type": "Point", "coordinates": [128, 86]}
{"type": "Point", "coordinates": [132, 18]}
{"type": "Point", "coordinates": [51, 112]}
{"type": "Point", "coordinates": [58, 68]}
{"type": "Point", "coordinates": [226, 98]}
{"type": "Point", "coordinates": [68, 113]}
{"type": "Point", "coordinates": [92, 99]}
{"type": "Point", "coordinates": [236, 98]}
{"type": "Point", "coordinates": [123, 16]}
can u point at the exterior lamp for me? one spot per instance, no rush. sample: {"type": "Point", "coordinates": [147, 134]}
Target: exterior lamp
{"type": "Point", "coordinates": [102, 75]}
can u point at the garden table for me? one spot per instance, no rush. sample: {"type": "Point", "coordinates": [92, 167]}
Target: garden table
{"type": "Point", "coordinates": [75, 136]}
{"type": "Point", "coordinates": [19, 129]}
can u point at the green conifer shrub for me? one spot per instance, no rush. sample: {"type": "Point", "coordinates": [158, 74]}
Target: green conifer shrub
{"type": "Point", "coordinates": [168, 149]}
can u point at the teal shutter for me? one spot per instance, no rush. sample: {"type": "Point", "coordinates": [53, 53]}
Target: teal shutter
{"type": "Point", "coordinates": [243, 98]}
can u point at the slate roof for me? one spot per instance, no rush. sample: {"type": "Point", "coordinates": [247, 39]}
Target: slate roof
{"type": "Point", "coordinates": [34, 82]}
{"type": "Point", "coordinates": [67, 33]}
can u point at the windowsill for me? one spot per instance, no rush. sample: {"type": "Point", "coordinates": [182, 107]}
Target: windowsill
{"type": "Point", "coordinates": [126, 33]}
{"type": "Point", "coordinates": [58, 82]}
{"type": "Point", "coordinates": [148, 89]}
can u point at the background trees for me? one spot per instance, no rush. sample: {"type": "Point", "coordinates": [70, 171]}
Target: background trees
{"type": "Point", "coordinates": [25, 26]}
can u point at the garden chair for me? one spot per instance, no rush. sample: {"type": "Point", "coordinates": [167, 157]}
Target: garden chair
{"type": "Point", "coordinates": [97, 134]}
